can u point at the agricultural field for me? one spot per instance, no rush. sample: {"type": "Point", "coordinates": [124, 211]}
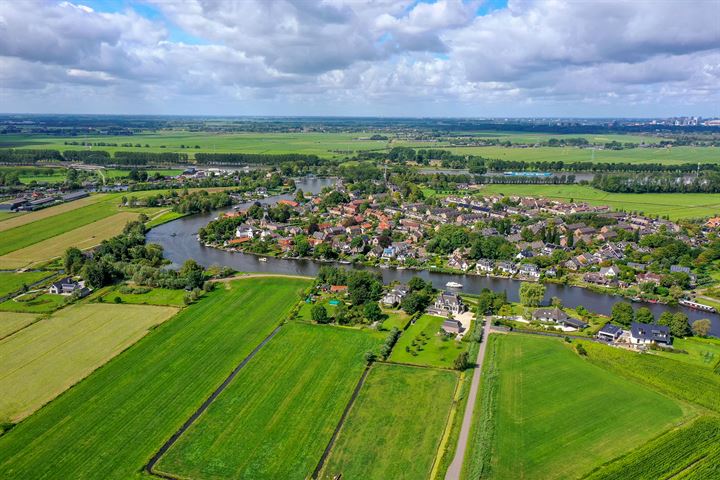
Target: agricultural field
{"type": "Point", "coordinates": [395, 425]}
{"type": "Point", "coordinates": [156, 296]}
{"type": "Point", "coordinates": [117, 173]}
{"type": "Point", "coordinates": [422, 344]}
{"type": "Point", "coordinates": [690, 449]}
{"type": "Point", "coordinates": [11, 322]}
{"type": "Point", "coordinates": [109, 425]}
{"type": "Point", "coordinates": [46, 358]}
{"type": "Point", "coordinates": [675, 205]}
{"type": "Point", "coordinates": [20, 219]}
{"type": "Point", "coordinates": [83, 237]}
{"type": "Point", "coordinates": [549, 413]}
{"type": "Point", "coordinates": [11, 282]}
{"type": "Point", "coordinates": [276, 417]}
{"type": "Point", "coordinates": [704, 352]}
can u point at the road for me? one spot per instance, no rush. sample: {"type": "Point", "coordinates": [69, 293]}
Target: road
{"type": "Point", "coordinates": [453, 472]}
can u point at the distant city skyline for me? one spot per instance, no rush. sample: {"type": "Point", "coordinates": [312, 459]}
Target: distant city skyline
{"type": "Point", "coordinates": [442, 58]}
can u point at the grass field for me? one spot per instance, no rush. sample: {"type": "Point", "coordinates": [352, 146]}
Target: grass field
{"type": "Point", "coordinates": [156, 296]}
{"type": "Point", "coordinates": [691, 449]}
{"type": "Point", "coordinates": [548, 413]}
{"type": "Point", "coordinates": [704, 352]}
{"type": "Point", "coordinates": [12, 282]}
{"type": "Point", "coordinates": [395, 426]}
{"type": "Point", "coordinates": [84, 236]}
{"type": "Point", "coordinates": [33, 303]}
{"type": "Point", "coordinates": [396, 319]}
{"type": "Point", "coordinates": [44, 359]}
{"type": "Point", "coordinates": [425, 346]}
{"type": "Point", "coordinates": [676, 205]}
{"type": "Point", "coordinates": [11, 322]}
{"type": "Point", "coordinates": [109, 425]}
{"type": "Point", "coordinates": [278, 414]}
{"type": "Point", "coordinates": [22, 219]}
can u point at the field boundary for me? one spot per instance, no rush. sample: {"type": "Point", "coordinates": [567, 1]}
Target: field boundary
{"type": "Point", "coordinates": [149, 467]}
{"type": "Point", "coordinates": [341, 422]}
{"type": "Point", "coordinates": [447, 430]}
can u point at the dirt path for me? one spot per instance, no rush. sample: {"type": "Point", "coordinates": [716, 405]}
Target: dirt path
{"type": "Point", "coordinates": [455, 468]}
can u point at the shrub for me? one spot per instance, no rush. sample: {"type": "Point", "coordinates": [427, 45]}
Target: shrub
{"type": "Point", "coordinates": [581, 350]}
{"type": "Point", "coordinates": [117, 300]}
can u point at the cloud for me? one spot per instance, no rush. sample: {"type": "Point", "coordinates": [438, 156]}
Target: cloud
{"type": "Point", "coordinates": [344, 57]}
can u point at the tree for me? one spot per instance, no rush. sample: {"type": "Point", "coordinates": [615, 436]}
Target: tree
{"type": "Point", "coordinates": [415, 302]}
{"type": "Point", "coordinates": [462, 362]}
{"type": "Point", "coordinates": [556, 302]}
{"type": "Point", "coordinates": [665, 318]}
{"type": "Point", "coordinates": [679, 326]}
{"type": "Point", "coordinates": [531, 294]}
{"type": "Point", "coordinates": [363, 286]}
{"type": "Point", "coordinates": [372, 312]}
{"type": "Point", "coordinates": [73, 260]}
{"type": "Point", "coordinates": [416, 283]}
{"type": "Point", "coordinates": [193, 273]}
{"type": "Point", "coordinates": [701, 328]}
{"type": "Point", "coordinates": [319, 314]}
{"type": "Point", "coordinates": [644, 315]}
{"type": "Point", "coordinates": [622, 313]}
{"type": "Point", "coordinates": [299, 196]}
{"type": "Point", "coordinates": [370, 356]}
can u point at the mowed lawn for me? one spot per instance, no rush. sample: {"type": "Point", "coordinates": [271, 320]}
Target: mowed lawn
{"type": "Point", "coordinates": [41, 361]}
{"type": "Point", "coordinates": [548, 413]}
{"type": "Point", "coordinates": [422, 344]}
{"type": "Point", "coordinates": [11, 282]}
{"type": "Point", "coordinates": [11, 322]}
{"type": "Point", "coordinates": [395, 426]}
{"type": "Point", "coordinates": [277, 416]}
{"type": "Point", "coordinates": [110, 425]}
{"type": "Point", "coordinates": [83, 237]}
{"type": "Point", "coordinates": [676, 205]}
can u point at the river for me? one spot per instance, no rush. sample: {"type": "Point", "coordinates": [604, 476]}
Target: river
{"type": "Point", "coordinates": [179, 241]}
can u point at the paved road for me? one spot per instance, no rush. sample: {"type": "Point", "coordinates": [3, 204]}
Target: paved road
{"type": "Point", "coordinates": [455, 468]}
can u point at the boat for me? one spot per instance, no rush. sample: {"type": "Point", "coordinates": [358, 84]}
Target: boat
{"type": "Point", "coordinates": [174, 234]}
{"type": "Point", "coordinates": [697, 306]}
{"type": "Point", "coordinates": [453, 285]}
{"type": "Point", "coordinates": [263, 259]}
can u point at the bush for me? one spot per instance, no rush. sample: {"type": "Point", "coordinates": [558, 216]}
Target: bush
{"type": "Point", "coordinates": [117, 300]}
{"type": "Point", "coordinates": [581, 350]}
{"type": "Point", "coordinates": [462, 362]}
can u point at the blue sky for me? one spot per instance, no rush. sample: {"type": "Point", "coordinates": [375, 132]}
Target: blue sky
{"type": "Point", "coordinates": [335, 57]}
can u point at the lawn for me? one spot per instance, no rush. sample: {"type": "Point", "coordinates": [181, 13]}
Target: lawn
{"type": "Point", "coordinates": [704, 352]}
{"type": "Point", "coordinates": [395, 426]}
{"type": "Point", "coordinates": [109, 425]}
{"type": "Point", "coordinates": [11, 282]}
{"type": "Point", "coordinates": [396, 319]}
{"type": "Point", "coordinates": [546, 412]}
{"type": "Point", "coordinates": [11, 322]}
{"type": "Point", "coordinates": [422, 344]}
{"type": "Point", "coordinates": [44, 359]}
{"type": "Point", "coordinates": [277, 416]}
{"type": "Point", "coordinates": [676, 205]}
{"type": "Point", "coordinates": [83, 237]}
{"type": "Point", "coordinates": [156, 296]}
{"type": "Point", "coordinates": [691, 449]}
{"type": "Point", "coordinates": [35, 302]}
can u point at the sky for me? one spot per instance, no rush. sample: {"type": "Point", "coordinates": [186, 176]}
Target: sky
{"type": "Point", "coordinates": [435, 58]}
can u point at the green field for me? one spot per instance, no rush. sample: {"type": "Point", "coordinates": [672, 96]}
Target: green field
{"type": "Point", "coordinates": [545, 412]}
{"type": "Point", "coordinates": [11, 282]}
{"type": "Point", "coordinates": [676, 205]}
{"type": "Point", "coordinates": [425, 346]}
{"type": "Point", "coordinates": [109, 425]}
{"type": "Point", "coordinates": [156, 296]}
{"type": "Point", "coordinates": [693, 449]}
{"type": "Point", "coordinates": [278, 414]}
{"type": "Point", "coordinates": [396, 319]}
{"type": "Point", "coordinates": [704, 352]}
{"type": "Point", "coordinates": [44, 359]}
{"type": "Point", "coordinates": [19, 219]}
{"type": "Point", "coordinates": [11, 322]}
{"type": "Point", "coordinates": [33, 303]}
{"type": "Point", "coordinates": [395, 426]}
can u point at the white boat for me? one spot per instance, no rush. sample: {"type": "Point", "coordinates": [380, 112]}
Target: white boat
{"type": "Point", "coordinates": [263, 259]}
{"type": "Point", "coordinates": [453, 285]}
{"type": "Point", "coordinates": [697, 306]}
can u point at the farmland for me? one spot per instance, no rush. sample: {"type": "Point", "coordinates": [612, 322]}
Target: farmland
{"type": "Point", "coordinates": [548, 413]}
{"type": "Point", "coordinates": [109, 425]}
{"type": "Point", "coordinates": [675, 205]}
{"type": "Point", "coordinates": [421, 344]}
{"type": "Point", "coordinates": [29, 217]}
{"type": "Point", "coordinates": [12, 282]}
{"type": "Point", "coordinates": [156, 296]}
{"type": "Point", "coordinates": [11, 322]}
{"type": "Point", "coordinates": [275, 422]}
{"type": "Point", "coordinates": [384, 437]}
{"type": "Point", "coordinates": [44, 359]}
{"type": "Point", "coordinates": [696, 445]}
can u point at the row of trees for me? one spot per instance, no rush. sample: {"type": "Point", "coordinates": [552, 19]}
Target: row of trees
{"type": "Point", "coordinates": [709, 182]}
{"type": "Point", "coordinates": [624, 314]}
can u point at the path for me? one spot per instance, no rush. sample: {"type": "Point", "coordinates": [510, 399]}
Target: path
{"type": "Point", "coordinates": [453, 472]}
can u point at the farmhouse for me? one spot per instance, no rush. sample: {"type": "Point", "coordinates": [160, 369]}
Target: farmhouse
{"type": "Point", "coordinates": [645, 334]}
{"type": "Point", "coordinates": [609, 332]}
{"type": "Point", "coordinates": [556, 315]}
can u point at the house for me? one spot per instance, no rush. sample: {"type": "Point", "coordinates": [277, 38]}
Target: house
{"type": "Point", "coordinates": [556, 315]}
{"type": "Point", "coordinates": [609, 332]}
{"type": "Point", "coordinates": [610, 272]}
{"type": "Point", "coordinates": [529, 270]}
{"type": "Point", "coordinates": [395, 296]}
{"type": "Point", "coordinates": [338, 288]}
{"type": "Point", "coordinates": [450, 302]}
{"type": "Point", "coordinates": [507, 267]}
{"type": "Point", "coordinates": [68, 286]}
{"type": "Point", "coordinates": [648, 278]}
{"type": "Point", "coordinates": [245, 231]}
{"type": "Point", "coordinates": [484, 265]}
{"type": "Point", "coordinates": [457, 261]}
{"type": "Point", "coordinates": [646, 334]}
{"type": "Point", "coordinates": [452, 326]}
